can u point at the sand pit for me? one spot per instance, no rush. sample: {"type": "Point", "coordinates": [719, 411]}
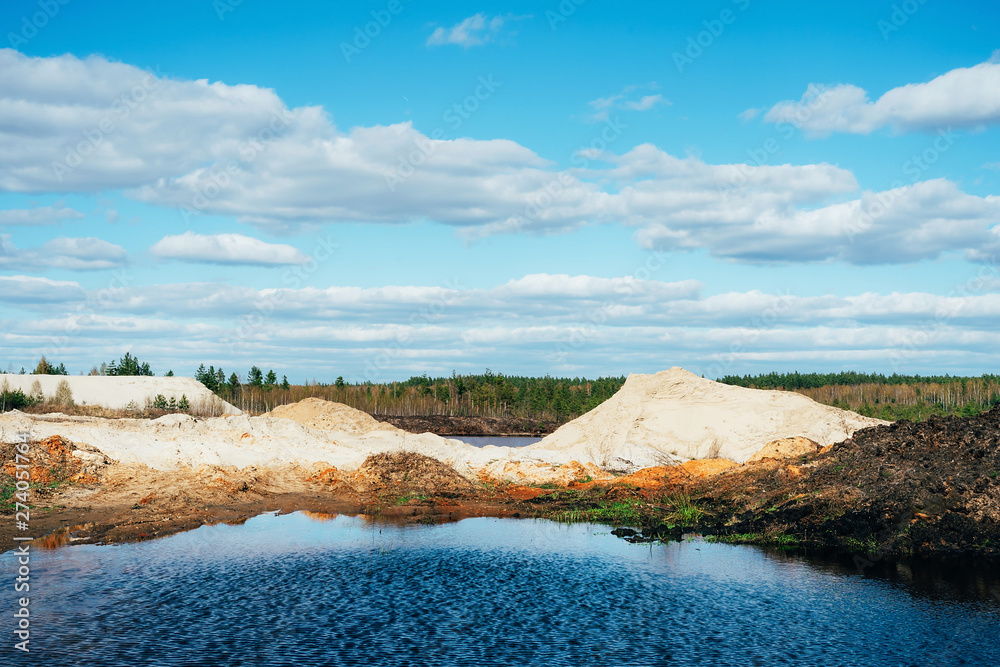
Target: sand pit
{"type": "Point", "coordinates": [117, 392]}
{"type": "Point", "coordinates": [675, 416]}
{"type": "Point", "coordinates": [654, 420]}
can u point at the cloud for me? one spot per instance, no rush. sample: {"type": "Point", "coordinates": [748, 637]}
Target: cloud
{"type": "Point", "coordinates": [548, 321]}
{"type": "Point", "coordinates": [226, 249]}
{"type": "Point", "coordinates": [473, 31]}
{"type": "Point", "coordinates": [74, 254]}
{"type": "Point", "coordinates": [32, 290]}
{"type": "Point", "coordinates": [307, 172]}
{"type": "Point", "coordinates": [38, 216]}
{"type": "Point", "coordinates": [964, 97]}
{"type": "Point", "coordinates": [85, 125]}
{"type": "Point", "coordinates": [904, 224]}
{"type": "Point", "coordinates": [627, 100]}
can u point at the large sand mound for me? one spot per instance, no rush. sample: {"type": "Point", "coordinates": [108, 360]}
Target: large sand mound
{"type": "Point", "coordinates": [118, 391]}
{"type": "Point", "coordinates": [675, 415]}
{"type": "Point", "coordinates": [328, 416]}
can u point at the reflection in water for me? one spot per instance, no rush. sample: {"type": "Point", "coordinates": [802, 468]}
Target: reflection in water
{"type": "Point", "coordinates": [291, 590]}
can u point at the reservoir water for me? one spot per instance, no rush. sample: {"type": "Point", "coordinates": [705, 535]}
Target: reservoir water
{"type": "Point", "coordinates": [498, 440]}
{"type": "Point", "coordinates": [303, 589]}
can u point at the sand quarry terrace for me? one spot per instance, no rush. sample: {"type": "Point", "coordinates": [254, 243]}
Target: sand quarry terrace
{"type": "Point", "coordinates": [654, 420]}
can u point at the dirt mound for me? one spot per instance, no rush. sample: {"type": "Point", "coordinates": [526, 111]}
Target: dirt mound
{"type": "Point", "coordinates": [930, 487]}
{"type": "Point", "coordinates": [675, 415]}
{"type": "Point", "coordinates": [786, 448]}
{"type": "Point", "coordinates": [401, 473]}
{"type": "Point", "coordinates": [329, 416]}
{"type": "Point", "coordinates": [53, 461]}
{"type": "Point", "coordinates": [651, 478]}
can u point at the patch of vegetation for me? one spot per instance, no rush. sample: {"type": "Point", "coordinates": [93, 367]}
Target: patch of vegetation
{"type": "Point", "coordinates": [771, 539]}
{"type": "Point", "coordinates": [625, 513]}
{"type": "Point", "coordinates": [8, 489]}
{"type": "Point", "coordinates": [402, 500]}
{"type": "Point", "coordinates": [682, 510]}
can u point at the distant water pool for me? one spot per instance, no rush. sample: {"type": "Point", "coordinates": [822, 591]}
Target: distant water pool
{"type": "Point", "coordinates": [498, 440]}
{"type": "Point", "coordinates": [303, 589]}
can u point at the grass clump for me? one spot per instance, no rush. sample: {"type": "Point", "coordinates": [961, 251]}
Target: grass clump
{"type": "Point", "coordinates": [681, 509]}
{"type": "Point", "coordinates": [624, 512]}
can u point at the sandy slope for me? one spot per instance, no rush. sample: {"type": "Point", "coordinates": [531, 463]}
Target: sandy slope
{"type": "Point", "coordinates": [653, 420]}
{"type": "Point", "coordinates": [676, 415]}
{"type": "Point", "coordinates": [116, 392]}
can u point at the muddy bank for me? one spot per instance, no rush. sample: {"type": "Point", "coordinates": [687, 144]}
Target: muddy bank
{"type": "Point", "coordinates": [904, 489]}
{"type": "Point", "coordinates": [890, 491]}
{"type": "Point", "coordinates": [473, 426]}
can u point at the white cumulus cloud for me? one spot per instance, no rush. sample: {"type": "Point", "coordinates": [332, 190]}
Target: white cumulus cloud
{"type": "Point", "coordinates": [226, 249]}
{"type": "Point", "coordinates": [963, 97]}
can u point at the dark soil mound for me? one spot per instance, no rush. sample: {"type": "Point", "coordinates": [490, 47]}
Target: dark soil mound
{"type": "Point", "coordinates": [445, 425]}
{"type": "Point", "coordinates": [930, 487]}
{"type": "Point", "coordinates": [402, 473]}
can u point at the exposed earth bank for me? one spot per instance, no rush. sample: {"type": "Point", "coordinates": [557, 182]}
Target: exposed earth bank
{"type": "Point", "coordinates": [904, 489]}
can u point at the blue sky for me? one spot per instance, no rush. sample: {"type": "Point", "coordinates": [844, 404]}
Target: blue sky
{"type": "Point", "coordinates": [390, 188]}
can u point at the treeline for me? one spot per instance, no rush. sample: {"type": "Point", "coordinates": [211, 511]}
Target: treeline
{"type": "Point", "coordinates": [485, 395]}
{"type": "Point", "coordinates": [892, 397]}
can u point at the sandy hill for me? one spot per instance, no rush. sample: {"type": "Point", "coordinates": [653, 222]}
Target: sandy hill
{"type": "Point", "coordinates": [329, 416]}
{"type": "Point", "coordinates": [676, 415]}
{"type": "Point", "coordinates": [116, 392]}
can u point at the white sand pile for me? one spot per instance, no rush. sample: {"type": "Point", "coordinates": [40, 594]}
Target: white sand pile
{"type": "Point", "coordinates": [676, 415]}
{"type": "Point", "coordinates": [117, 392]}
{"type": "Point", "coordinates": [329, 416]}
{"type": "Point", "coordinates": [653, 420]}
{"type": "Point", "coordinates": [181, 440]}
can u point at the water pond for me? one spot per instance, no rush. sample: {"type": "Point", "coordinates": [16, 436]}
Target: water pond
{"type": "Point", "coordinates": [498, 440]}
{"type": "Point", "coordinates": [305, 589]}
